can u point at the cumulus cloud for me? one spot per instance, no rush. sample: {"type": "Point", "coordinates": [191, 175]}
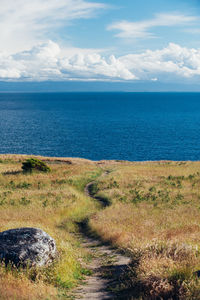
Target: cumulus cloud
{"type": "Point", "coordinates": [47, 62]}
{"type": "Point", "coordinates": [141, 29]}
{"type": "Point", "coordinates": [174, 61]}
{"type": "Point", "coordinates": [23, 23]}
{"type": "Point", "coordinates": [94, 66]}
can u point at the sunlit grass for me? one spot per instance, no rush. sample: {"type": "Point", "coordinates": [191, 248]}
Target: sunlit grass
{"type": "Point", "coordinates": [155, 215]}
{"type": "Point", "coordinates": [54, 202]}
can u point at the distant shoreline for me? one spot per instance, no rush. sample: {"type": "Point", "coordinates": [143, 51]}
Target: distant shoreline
{"type": "Point", "coordinates": [99, 92]}
{"type": "Point", "coordinates": [79, 159]}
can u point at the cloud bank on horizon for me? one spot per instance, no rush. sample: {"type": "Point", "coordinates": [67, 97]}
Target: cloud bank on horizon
{"type": "Point", "coordinates": [38, 42]}
{"type": "Point", "coordinates": [45, 62]}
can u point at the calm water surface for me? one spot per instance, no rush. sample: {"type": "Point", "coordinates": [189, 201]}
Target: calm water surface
{"type": "Point", "coordinates": [127, 126]}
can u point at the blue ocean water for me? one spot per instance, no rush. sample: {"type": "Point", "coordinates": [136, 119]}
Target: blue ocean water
{"type": "Point", "coordinates": [123, 126]}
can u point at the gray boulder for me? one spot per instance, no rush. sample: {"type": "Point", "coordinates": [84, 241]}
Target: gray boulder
{"type": "Point", "coordinates": [27, 246]}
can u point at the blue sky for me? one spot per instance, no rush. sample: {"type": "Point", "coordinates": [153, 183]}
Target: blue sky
{"type": "Point", "coordinates": [110, 41]}
{"type": "Point", "coordinates": [94, 32]}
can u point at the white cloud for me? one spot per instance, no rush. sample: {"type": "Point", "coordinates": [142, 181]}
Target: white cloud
{"type": "Point", "coordinates": [24, 23]}
{"type": "Point", "coordinates": [136, 30]}
{"type": "Point", "coordinates": [94, 66]}
{"type": "Point", "coordinates": [174, 61]}
{"type": "Point", "coordinates": [47, 62]}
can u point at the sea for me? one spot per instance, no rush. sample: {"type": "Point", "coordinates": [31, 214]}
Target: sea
{"type": "Point", "coordinates": [96, 126]}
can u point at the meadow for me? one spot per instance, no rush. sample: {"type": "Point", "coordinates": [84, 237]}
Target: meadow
{"type": "Point", "coordinates": [54, 202]}
{"type": "Point", "coordinates": [154, 215]}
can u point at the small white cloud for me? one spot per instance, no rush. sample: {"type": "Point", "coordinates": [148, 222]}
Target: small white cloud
{"type": "Point", "coordinates": [136, 30]}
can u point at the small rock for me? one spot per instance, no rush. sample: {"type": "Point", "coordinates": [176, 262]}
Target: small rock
{"type": "Point", "coordinates": [197, 273]}
{"type": "Point", "coordinates": [27, 246]}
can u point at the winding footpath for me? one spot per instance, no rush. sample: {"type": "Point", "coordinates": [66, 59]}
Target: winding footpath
{"type": "Point", "coordinates": [107, 266]}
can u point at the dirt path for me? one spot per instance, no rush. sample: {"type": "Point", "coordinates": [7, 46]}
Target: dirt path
{"type": "Point", "coordinates": [107, 266]}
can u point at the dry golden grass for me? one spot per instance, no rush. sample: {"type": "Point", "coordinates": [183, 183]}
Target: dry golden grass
{"type": "Point", "coordinates": [155, 214]}
{"type": "Point", "coordinates": [22, 288]}
{"type": "Point", "coordinates": [53, 202]}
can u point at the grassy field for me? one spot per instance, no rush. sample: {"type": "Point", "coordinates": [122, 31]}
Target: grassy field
{"type": "Point", "coordinates": [154, 215]}
{"type": "Point", "coordinates": [53, 202]}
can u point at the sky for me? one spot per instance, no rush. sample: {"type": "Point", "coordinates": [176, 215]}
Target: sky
{"type": "Point", "coordinates": [126, 41]}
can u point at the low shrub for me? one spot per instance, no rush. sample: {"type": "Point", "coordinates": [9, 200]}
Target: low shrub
{"type": "Point", "coordinates": [34, 164]}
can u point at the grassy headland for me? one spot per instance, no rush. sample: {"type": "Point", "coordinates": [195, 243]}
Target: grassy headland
{"type": "Point", "coordinates": [154, 214]}
{"type": "Point", "coordinates": [53, 202]}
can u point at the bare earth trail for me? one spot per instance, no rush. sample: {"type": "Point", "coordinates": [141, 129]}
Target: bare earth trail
{"type": "Point", "coordinates": [107, 266]}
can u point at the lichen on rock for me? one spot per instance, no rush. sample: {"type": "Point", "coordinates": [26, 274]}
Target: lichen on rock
{"type": "Point", "coordinates": [27, 246]}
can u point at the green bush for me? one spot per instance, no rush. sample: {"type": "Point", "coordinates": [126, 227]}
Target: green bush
{"type": "Point", "coordinates": [35, 164]}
